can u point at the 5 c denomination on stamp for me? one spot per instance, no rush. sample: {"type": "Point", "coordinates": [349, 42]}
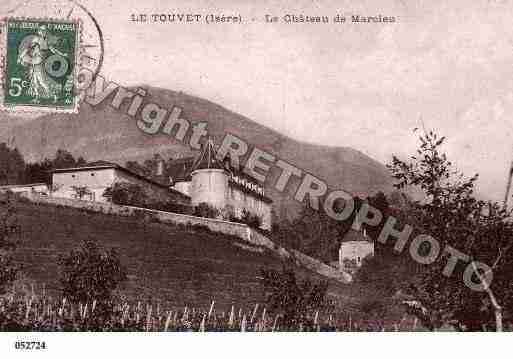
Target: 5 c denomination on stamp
{"type": "Point", "coordinates": [40, 60]}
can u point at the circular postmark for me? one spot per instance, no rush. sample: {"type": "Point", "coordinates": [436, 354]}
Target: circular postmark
{"type": "Point", "coordinates": [48, 54]}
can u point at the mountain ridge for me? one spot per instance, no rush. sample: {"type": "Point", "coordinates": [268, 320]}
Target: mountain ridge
{"type": "Point", "coordinates": [101, 133]}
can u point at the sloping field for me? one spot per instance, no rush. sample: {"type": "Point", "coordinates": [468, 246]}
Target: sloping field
{"type": "Point", "coordinates": [176, 266]}
{"type": "Point", "coordinates": [173, 265]}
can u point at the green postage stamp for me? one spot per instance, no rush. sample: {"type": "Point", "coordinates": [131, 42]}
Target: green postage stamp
{"type": "Point", "coordinates": [40, 60]}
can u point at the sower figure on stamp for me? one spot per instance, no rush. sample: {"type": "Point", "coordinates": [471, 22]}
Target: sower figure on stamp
{"type": "Point", "coordinates": [33, 52]}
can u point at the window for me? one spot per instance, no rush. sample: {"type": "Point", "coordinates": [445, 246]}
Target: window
{"type": "Point", "coordinates": [92, 174]}
{"type": "Point", "coordinates": [73, 176]}
{"type": "Point", "coordinates": [83, 196]}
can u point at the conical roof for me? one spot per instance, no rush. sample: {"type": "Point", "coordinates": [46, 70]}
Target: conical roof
{"type": "Point", "coordinates": [356, 236]}
{"type": "Point", "coordinates": [207, 158]}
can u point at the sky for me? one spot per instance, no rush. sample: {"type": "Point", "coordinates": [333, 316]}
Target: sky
{"type": "Point", "coordinates": [444, 64]}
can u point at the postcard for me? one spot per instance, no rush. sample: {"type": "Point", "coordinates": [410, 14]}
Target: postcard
{"type": "Point", "coordinates": [255, 167]}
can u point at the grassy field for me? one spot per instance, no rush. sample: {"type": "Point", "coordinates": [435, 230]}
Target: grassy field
{"type": "Point", "coordinates": [174, 266]}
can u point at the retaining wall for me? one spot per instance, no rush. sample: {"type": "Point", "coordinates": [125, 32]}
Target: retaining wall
{"type": "Point", "coordinates": [215, 225]}
{"type": "Point", "coordinates": [299, 258]}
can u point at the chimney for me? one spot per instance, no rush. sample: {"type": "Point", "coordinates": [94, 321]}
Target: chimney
{"type": "Point", "coordinates": [227, 163]}
{"type": "Point", "coordinates": [160, 168]}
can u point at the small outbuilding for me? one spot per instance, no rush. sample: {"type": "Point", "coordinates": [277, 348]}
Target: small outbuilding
{"type": "Point", "coordinates": [39, 188]}
{"type": "Point", "coordinates": [355, 246]}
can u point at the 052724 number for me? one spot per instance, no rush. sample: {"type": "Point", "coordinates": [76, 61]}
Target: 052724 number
{"type": "Point", "coordinates": [22, 345]}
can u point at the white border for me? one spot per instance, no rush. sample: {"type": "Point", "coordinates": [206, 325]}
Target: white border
{"type": "Point", "coordinates": [260, 345]}
{"type": "Point", "coordinates": [3, 67]}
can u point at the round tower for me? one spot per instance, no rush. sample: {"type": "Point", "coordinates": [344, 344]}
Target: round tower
{"type": "Point", "coordinates": [209, 185]}
{"type": "Point", "coordinates": [209, 182]}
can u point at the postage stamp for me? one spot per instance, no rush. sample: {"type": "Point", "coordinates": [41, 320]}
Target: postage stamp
{"type": "Point", "coordinates": [40, 60]}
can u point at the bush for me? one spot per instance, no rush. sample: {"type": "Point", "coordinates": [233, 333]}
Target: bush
{"type": "Point", "coordinates": [248, 218]}
{"type": "Point", "coordinates": [91, 274]}
{"type": "Point", "coordinates": [124, 193]}
{"type": "Point", "coordinates": [227, 213]}
{"type": "Point", "coordinates": [251, 220]}
{"type": "Point", "coordinates": [206, 210]}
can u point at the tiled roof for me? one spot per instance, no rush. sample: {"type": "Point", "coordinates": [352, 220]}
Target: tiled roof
{"type": "Point", "coordinates": [353, 235]}
{"type": "Point", "coordinates": [207, 158]}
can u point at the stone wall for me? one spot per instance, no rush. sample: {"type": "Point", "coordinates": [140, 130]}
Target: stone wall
{"type": "Point", "coordinates": [299, 258]}
{"type": "Point", "coordinates": [320, 267]}
{"type": "Point", "coordinates": [236, 229]}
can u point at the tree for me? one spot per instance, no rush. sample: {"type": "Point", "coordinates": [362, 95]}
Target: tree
{"type": "Point", "coordinates": [319, 235]}
{"type": "Point", "coordinates": [294, 302]}
{"type": "Point", "coordinates": [91, 274]}
{"type": "Point", "coordinates": [38, 172]}
{"type": "Point", "coordinates": [41, 171]}
{"type": "Point", "coordinates": [81, 162]}
{"type": "Point", "coordinates": [63, 159]}
{"type": "Point", "coordinates": [283, 234]}
{"type": "Point", "coordinates": [380, 202]}
{"type": "Point", "coordinates": [14, 170]}
{"type": "Point", "coordinates": [12, 165]}
{"type": "Point", "coordinates": [452, 215]}
{"type": "Point", "coordinates": [135, 167]}
{"type": "Point", "coordinates": [125, 193]}
{"type": "Point", "coordinates": [9, 234]}
{"type": "Point", "coordinates": [252, 220]}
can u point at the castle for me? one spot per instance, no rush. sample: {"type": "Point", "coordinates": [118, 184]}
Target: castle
{"type": "Point", "coordinates": [208, 180]}
{"type": "Point", "coordinates": [186, 182]}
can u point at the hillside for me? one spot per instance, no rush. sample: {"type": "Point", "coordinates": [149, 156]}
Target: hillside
{"type": "Point", "coordinates": [175, 266]}
{"type": "Point", "coordinates": [105, 133]}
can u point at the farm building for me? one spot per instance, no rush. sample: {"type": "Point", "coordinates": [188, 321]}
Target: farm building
{"type": "Point", "coordinates": [355, 246]}
{"type": "Point", "coordinates": [186, 182]}
{"type": "Point", "coordinates": [95, 178]}
{"type": "Point", "coordinates": [40, 188]}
